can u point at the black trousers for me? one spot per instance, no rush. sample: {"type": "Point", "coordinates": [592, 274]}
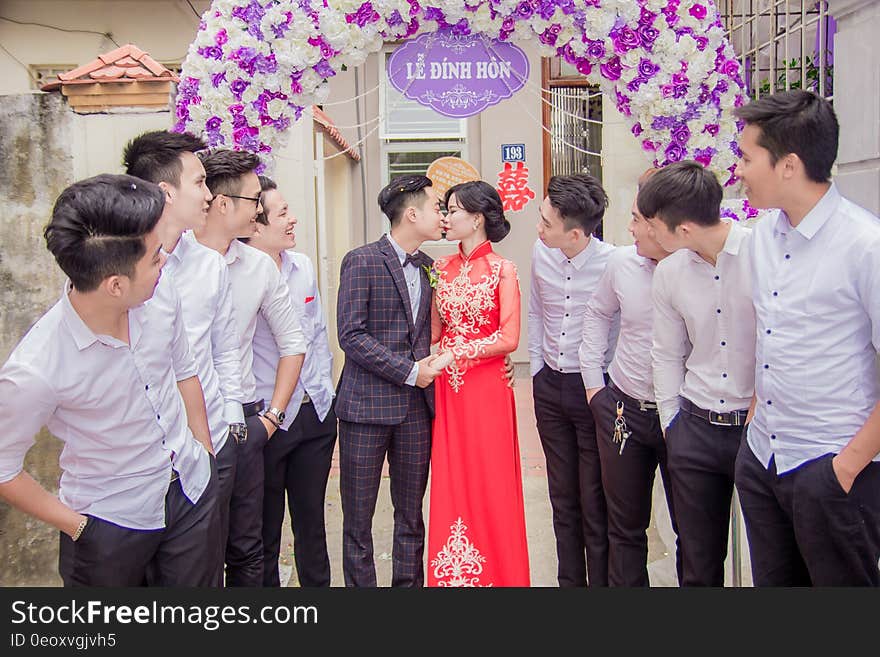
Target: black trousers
{"type": "Point", "coordinates": [628, 482]}
{"type": "Point", "coordinates": [297, 462]}
{"type": "Point", "coordinates": [574, 476]}
{"type": "Point", "coordinates": [701, 459]}
{"type": "Point", "coordinates": [244, 546]}
{"type": "Point", "coordinates": [362, 450]}
{"type": "Point", "coordinates": [181, 554]}
{"type": "Point", "coordinates": [803, 529]}
{"type": "Point", "coordinates": [226, 461]}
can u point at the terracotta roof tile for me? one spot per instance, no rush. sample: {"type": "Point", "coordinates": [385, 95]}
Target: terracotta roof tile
{"type": "Point", "coordinates": [127, 63]}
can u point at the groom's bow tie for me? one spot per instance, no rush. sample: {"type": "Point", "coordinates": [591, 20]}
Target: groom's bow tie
{"type": "Point", "coordinates": [413, 259]}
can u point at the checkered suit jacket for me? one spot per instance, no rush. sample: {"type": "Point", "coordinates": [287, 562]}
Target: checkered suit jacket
{"type": "Point", "coordinates": [377, 333]}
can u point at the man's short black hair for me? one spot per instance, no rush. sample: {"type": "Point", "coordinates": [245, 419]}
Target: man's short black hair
{"type": "Point", "coordinates": [98, 227]}
{"type": "Point", "coordinates": [679, 192]}
{"type": "Point", "coordinates": [266, 185]}
{"type": "Point", "coordinates": [798, 122]}
{"type": "Point", "coordinates": [224, 169]}
{"type": "Point", "coordinates": [580, 200]}
{"type": "Point", "coordinates": [155, 155]}
{"type": "Point", "coordinates": [401, 193]}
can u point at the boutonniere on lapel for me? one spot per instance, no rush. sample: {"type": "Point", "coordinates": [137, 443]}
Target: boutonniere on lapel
{"type": "Point", "coordinates": [433, 276]}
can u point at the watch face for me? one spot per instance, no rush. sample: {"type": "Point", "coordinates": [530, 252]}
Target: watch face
{"type": "Point", "coordinates": [281, 417]}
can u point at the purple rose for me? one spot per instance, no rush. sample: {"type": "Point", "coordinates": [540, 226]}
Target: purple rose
{"type": "Point", "coordinates": [681, 134]}
{"type": "Point", "coordinates": [702, 42]}
{"type": "Point", "coordinates": [213, 123]}
{"type": "Point", "coordinates": [647, 68]}
{"type": "Point", "coordinates": [595, 49]}
{"type": "Point", "coordinates": [215, 139]}
{"type": "Point", "coordinates": [238, 87]}
{"type": "Point", "coordinates": [217, 78]}
{"type": "Point", "coordinates": [524, 9]}
{"type": "Point", "coordinates": [674, 153]}
{"type": "Point", "coordinates": [647, 36]}
{"type": "Point", "coordinates": [611, 69]}
{"type": "Point", "coordinates": [649, 145]}
{"type": "Point", "coordinates": [461, 28]}
{"type": "Point", "coordinates": [646, 17]}
{"type": "Point", "coordinates": [547, 37]}
{"type": "Point", "coordinates": [637, 129]}
{"type": "Point", "coordinates": [546, 9]}
{"type": "Point", "coordinates": [394, 19]}
{"type": "Point", "coordinates": [625, 39]}
{"type": "Point", "coordinates": [712, 129]}
{"type": "Point", "coordinates": [211, 52]}
{"type": "Point", "coordinates": [730, 67]}
{"type": "Point", "coordinates": [414, 7]}
{"type": "Point", "coordinates": [221, 37]}
{"type": "Point", "coordinates": [324, 69]}
{"type": "Point", "coordinates": [698, 11]}
{"type": "Point", "coordinates": [584, 67]}
{"type": "Point", "coordinates": [508, 24]}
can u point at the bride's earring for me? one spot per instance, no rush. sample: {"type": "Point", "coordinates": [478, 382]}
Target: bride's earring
{"type": "Point", "coordinates": [476, 226]}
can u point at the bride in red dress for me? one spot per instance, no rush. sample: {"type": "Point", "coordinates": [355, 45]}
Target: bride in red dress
{"type": "Point", "coordinates": [476, 527]}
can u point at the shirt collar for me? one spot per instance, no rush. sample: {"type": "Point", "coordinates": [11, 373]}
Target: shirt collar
{"type": "Point", "coordinates": [482, 249]}
{"type": "Point", "coordinates": [83, 336]}
{"type": "Point", "coordinates": [732, 243]}
{"type": "Point", "coordinates": [401, 254]}
{"type": "Point", "coordinates": [232, 253]}
{"type": "Point", "coordinates": [820, 213]}
{"type": "Point", "coordinates": [581, 258]}
{"type": "Point", "coordinates": [288, 262]}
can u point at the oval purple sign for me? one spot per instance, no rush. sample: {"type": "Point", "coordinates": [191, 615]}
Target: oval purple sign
{"type": "Point", "coordinates": [457, 75]}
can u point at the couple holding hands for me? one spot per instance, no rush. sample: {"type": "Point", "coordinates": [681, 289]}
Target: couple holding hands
{"type": "Point", "coordinates": [452, 410]}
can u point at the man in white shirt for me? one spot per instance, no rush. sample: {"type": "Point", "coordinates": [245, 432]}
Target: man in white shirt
{"type": "Point", "coordinates": [101, 369]}
{"type": "Point", "coordinates": [703, 353]}
{"type": "Point", "coordinates": [297, 459]}
{"type": "Point", "coordinates": [257, 290]}
{"type": "Point", "coordinates": [808, 474]}
{"type": "Point", "coordinates": [200, 277]}
{"type": "Point", "coordinates": [631, 445]}
{"type": "Point", "coordinates": [567, 263]}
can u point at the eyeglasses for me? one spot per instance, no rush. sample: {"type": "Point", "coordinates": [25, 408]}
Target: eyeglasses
{"type": "Point", "coordinates": [256, 200]}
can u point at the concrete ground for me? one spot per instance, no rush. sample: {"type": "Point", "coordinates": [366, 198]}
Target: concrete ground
{"type": "Point", "coordinates": [539, 522]}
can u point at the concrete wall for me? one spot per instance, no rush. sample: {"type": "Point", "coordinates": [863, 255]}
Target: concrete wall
{"type": "Point", "coordinates": [37, 163]}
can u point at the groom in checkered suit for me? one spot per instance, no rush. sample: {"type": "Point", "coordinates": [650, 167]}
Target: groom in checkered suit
{"type": "Point", "coordinates": [385, 402]}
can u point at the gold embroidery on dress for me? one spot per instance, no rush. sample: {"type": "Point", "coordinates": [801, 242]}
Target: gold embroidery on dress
{"type": "Point", "coordinates": [464, 307]}
{"type": "Point", "coordinates": [458, 561]}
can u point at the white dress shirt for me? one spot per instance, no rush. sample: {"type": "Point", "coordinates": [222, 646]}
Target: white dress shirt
{"type": "Point", "coordinates": [259, 289]}
{"type": "Point", "coordinates": [202, 281]}
{"type": "Point", "coordinates": [817, 300]}
{"type": "Point", "coordinates": [414, 287]}
{"type": "Point", "coordinates": [704, 329]}
{"type": "Point", "coordinates": [560, 289]}
{"type": "Point", "coordinates": [115, 406]}
{"type": "Point", "coordinates": [316, 377]}
{"type": "Point", "coordinates": [624, 293]}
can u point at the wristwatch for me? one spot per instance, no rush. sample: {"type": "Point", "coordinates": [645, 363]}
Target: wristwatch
{"type": "Point", "coordinates": [238, 431]}
{"type": "Point", "coordinates": [277, 416]}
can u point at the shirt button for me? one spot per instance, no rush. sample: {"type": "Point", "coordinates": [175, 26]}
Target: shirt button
{"type": "Point", "coordinates": [563, 333]}
{"type": "Point", "coordinates": [560, 353]}
{"type": "Point", "coordinates": [787, 256]}
{"type": "Point", "coordinates": [147, 387]}
{"type": "Point", "coordinates": [769, 403]}
{"type": "Point", "coordinates": [568, 278]}
{"type": "Point", "coordinates": [158, 417]}
{"type": "Point", "coordinates": [766, 366]}
{"type": "Point", "coordinates": [772, 436]}
{"type": "Point", "coordinates": [721, 400]}
{"type": "Point", "coordinates": [724, 375]}
{"type": "Point", "coordinates": [769, 331]}
{"type": "Point", "coordinates": [723, 343]}
{"type": "Point", "coordinates": [566, 314]}
{"type": "Point", "coordinates": [717, 278]}
{"type": "Point", "coordinates": [775, 294]}
{"type": "Point", "coordinates": [567, 297]}
{"type": "Point", "coordinates": [718, 310]}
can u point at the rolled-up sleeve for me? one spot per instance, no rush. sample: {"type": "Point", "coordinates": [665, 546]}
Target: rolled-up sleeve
{"type": "Point", "coordinates": [26, 404]}
{"type": "Point", "coordinates": [278, 311]}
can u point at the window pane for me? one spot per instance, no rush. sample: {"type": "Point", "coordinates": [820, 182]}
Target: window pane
{"type": "Point", "coordinates": [406, 118]}
{"type": "Point", "coordinates": [415, 163]}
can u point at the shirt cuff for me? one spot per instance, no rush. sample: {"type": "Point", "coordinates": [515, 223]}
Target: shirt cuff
{"type": "Point", "coordinates": [413, 375]}
{"type": "Point", "coordinates": [233, 413]}
{"type": "Point", "coordinates": [593, 378]}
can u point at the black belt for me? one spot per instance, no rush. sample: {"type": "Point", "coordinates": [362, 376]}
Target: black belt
{"type": "Point", "coordinates": [252, 408]}
{"type": "Point", "coordinates": [730, 419]}
{"type": "Point", "coordinates": [306, 399]}
{"type": "Point", "coordinates": [642, 404]}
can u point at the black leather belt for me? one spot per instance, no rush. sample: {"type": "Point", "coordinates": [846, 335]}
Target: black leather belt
{"type": "Point", "coordinates": [252, 408]}
{"type": "Point", "coordinates": [642, 404]}
{"type": "Point", "coordinates": [730, 419]}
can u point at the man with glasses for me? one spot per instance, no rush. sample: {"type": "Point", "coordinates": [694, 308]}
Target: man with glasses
{"type": "Point", "coordinates": [258, 290]}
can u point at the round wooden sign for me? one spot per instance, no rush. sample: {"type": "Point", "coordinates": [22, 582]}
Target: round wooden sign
{"type": "Point", "coordinates": [445, 172]}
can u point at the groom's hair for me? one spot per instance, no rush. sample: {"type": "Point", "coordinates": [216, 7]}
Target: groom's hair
{"type": "Point", "coordinates": [401, 193]}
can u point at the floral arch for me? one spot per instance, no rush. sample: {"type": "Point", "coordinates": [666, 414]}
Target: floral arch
{"type": "Point", "coordinates": [256, 64]}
